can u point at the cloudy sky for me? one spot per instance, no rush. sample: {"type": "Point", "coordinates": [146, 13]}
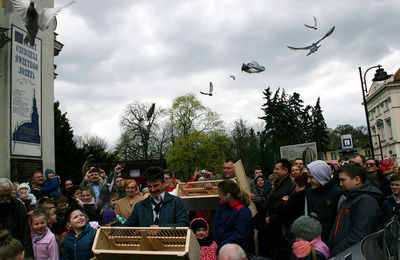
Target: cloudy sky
{"type": "Point", "coordinates": [122, 51]}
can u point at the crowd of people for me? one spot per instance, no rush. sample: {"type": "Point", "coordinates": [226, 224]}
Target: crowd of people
{"type": "Point", "coordinates": [312, 211]}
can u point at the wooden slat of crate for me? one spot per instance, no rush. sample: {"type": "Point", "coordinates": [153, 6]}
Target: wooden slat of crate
{"type": "Point", "coordinates": [169, 243]}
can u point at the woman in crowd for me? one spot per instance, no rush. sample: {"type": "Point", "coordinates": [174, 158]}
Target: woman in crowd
{"type": "Point", "coordinates": [233, 217]}
{"type": "Point", "coordinates": [124, 206]}
{"type": "Point", "coordinates": [74, 196]}
{"type": "Point", "coordinates": [68, 183]}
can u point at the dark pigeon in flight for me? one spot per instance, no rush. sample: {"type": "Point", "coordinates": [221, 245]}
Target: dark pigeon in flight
{"type": "Point", "coordinates": [314, 46]}
{"type": "Point", "coordinates": [210, 91]}
{"type": "Point", "coordinates": [252, 67]}
{"type": "Point", "coordinates": [233, 77]}
{"type": "Point", "coordinates": [314, 26]}
{"type": "Point", "coordinates": [33, 19]}
{"type": "Point", "coordinates": [145, 124]}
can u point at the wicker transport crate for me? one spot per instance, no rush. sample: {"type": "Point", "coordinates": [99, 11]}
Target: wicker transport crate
{"type": "Point", "coordinates": [196, 197]}
{"type": "Point", "coordinates": [145, 243]}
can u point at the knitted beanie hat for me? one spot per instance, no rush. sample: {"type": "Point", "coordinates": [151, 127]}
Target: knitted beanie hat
{"type": "Point", "coordinates": [306, 227]}
{"type": "Point", "coordinates": [47, 172]}
{"type": "Point", "coordinates": [198, 223]}
{"type": "Point", "coordinates": [108, 216]}
{"type": "Point", "coordinates": [321, 171]}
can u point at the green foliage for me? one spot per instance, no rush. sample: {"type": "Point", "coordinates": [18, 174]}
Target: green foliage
{"type": "Point", "coordinates": [245, 146]}
{"type": "Point", "coordinates": [198, 150]}
{"type": "Point", "coordinates": [188, 115]}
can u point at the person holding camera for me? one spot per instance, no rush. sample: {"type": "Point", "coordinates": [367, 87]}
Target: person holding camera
{"type": "Point", "coordinates": [92, 180]}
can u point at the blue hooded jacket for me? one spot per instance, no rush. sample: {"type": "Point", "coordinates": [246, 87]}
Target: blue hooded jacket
{"type": "Point", "coordinates": [80, 247]}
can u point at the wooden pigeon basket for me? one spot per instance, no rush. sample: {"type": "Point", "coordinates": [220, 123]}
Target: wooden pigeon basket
{"type": "Point", "coordinates": [196, 197]}
{"type": "Point", "coordinates": [145, 243]}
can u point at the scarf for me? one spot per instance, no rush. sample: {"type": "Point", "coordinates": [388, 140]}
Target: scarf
{"type": "Point", "coordinates": [303, 248]}
{"type": "Point", "coordinates": [36, 238]}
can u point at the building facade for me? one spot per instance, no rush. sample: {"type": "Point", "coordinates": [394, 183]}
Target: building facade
{"type": "Point", "coordinates": [27, 97]}
{"type": "Point", "coordinates": [383, 102]}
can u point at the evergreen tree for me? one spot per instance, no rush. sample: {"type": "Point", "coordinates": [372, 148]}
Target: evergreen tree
{"type": "Point", "coordinates": [67, 156]}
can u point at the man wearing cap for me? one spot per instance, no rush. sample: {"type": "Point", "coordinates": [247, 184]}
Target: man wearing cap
{"type": "Point", "coordinates": [323, 195]}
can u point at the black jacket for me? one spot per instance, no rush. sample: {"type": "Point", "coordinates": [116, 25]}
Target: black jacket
{"type": "Point", "coordinates": [323, 202]}
{"type": "Point", "coordinates": [285, 187]}
{"type": "Point", "coordinates": [13, 217]}
{"type": "Point", "coordinates": [358, 216]}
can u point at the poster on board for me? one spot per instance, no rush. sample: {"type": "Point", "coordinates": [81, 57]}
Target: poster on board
{"type": "Point", "coordinates": [306, 151]}
{"type": "Point", "coordinates": [26, 96]}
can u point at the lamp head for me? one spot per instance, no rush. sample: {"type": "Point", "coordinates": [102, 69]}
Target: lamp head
{"type": "Point", "coordinates": [381, 75]}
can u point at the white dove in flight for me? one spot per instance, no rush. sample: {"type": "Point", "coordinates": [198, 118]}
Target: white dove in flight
{"type": "Point", "coordinates": [33, 19]}
{"type": "Point", "coordinates": [314, 46]}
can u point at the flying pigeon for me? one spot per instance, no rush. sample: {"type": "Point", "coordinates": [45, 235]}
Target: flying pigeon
{"type": "Point", "coordinates": [33, 19]}
{"type": "Point", "coordinates": [233, 77]}
{"type": "Point", "coordinates": [314, 26]}
{"type": "Point", "coordinates": [252, 67]}
{"type": "Point", "coordinates": [314, 46]}
{"type": "Point", "coordinates": [151, 111]}
{"type": "Point", "coordinates": [145, 125]}
{"type": "Point", "coordinates": [210, 92]}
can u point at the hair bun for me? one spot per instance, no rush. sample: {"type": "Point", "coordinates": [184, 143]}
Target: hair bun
{"type": "Point", "coordinates": [5, 237]}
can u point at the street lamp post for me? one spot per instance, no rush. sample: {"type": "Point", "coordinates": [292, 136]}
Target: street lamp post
{"type": "Point", "coordinates": [380, 75]}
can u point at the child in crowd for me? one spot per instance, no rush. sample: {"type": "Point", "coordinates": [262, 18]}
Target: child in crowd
{"type": "Point", "coordinates": [74, 196]}
{"type": "Point", "coordinates": [233, 217]}
{"type": "Point", "coordinates": [88, 203]}
{"type": "Point", "coordinates": [393, 201]}
{"type": "Point", "coordinates": [43, 240]}
{"type": "Point", "coordinates": [78, 242]}
{"type": "Point", "coordinates": [24, 193]}
{"type": "Point", "coordinates": [52, 183]}
{"type": "Point", "coordinates": [208, 246]}
{"type": "Point", "coordinates": [10, 248]}
{"type": "Point", "coordinates": [308, 245]}
{"type": "Point", "coordinates": [108, 218]}
{"type": "Point", "coordinates": [110, 206]}
{"type": "Point", "coordinates": [60, 203]}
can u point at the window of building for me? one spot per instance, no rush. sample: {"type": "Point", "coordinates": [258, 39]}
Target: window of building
{"type": "Point", "coordinates": [333, 156]}
{"type": "Point", "coordinates": [389, 128]}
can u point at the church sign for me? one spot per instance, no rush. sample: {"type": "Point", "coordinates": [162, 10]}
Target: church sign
{"type": "Point", "coordinates": [26, 96]}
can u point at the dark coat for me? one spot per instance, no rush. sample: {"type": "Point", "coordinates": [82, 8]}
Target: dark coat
{"type": "Point", "coordinates": [388, 207]}
{"type": "Point", "coordinates": [358, 216]}
{"type": "Point", "coordinates": [172, 213]}
{"type": "Point", "coordinates": [281, 189]}
{"type": "Point", "coordinates": [231, 224]}
{"type": "Point", "coordinates": [323, 201]}
{"type": "Point", "coordinates": [13, 217]}
{"type": "Point", "coordinates": [79, 248]}
{"type": "Point", "coordinates": [288, 211]}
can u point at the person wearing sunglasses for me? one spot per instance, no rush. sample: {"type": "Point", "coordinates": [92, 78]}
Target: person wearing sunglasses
{"type": "Point", "coordinates": [376, 177]}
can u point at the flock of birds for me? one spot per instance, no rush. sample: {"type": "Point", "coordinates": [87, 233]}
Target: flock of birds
{"type": "Point", "coordinates": [254, 67]}
{"type": "Point", "coordinates": [35, 20]}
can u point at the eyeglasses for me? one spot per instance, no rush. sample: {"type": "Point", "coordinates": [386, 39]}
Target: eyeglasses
{"type": "Point", "coordinates": [370, 164]}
